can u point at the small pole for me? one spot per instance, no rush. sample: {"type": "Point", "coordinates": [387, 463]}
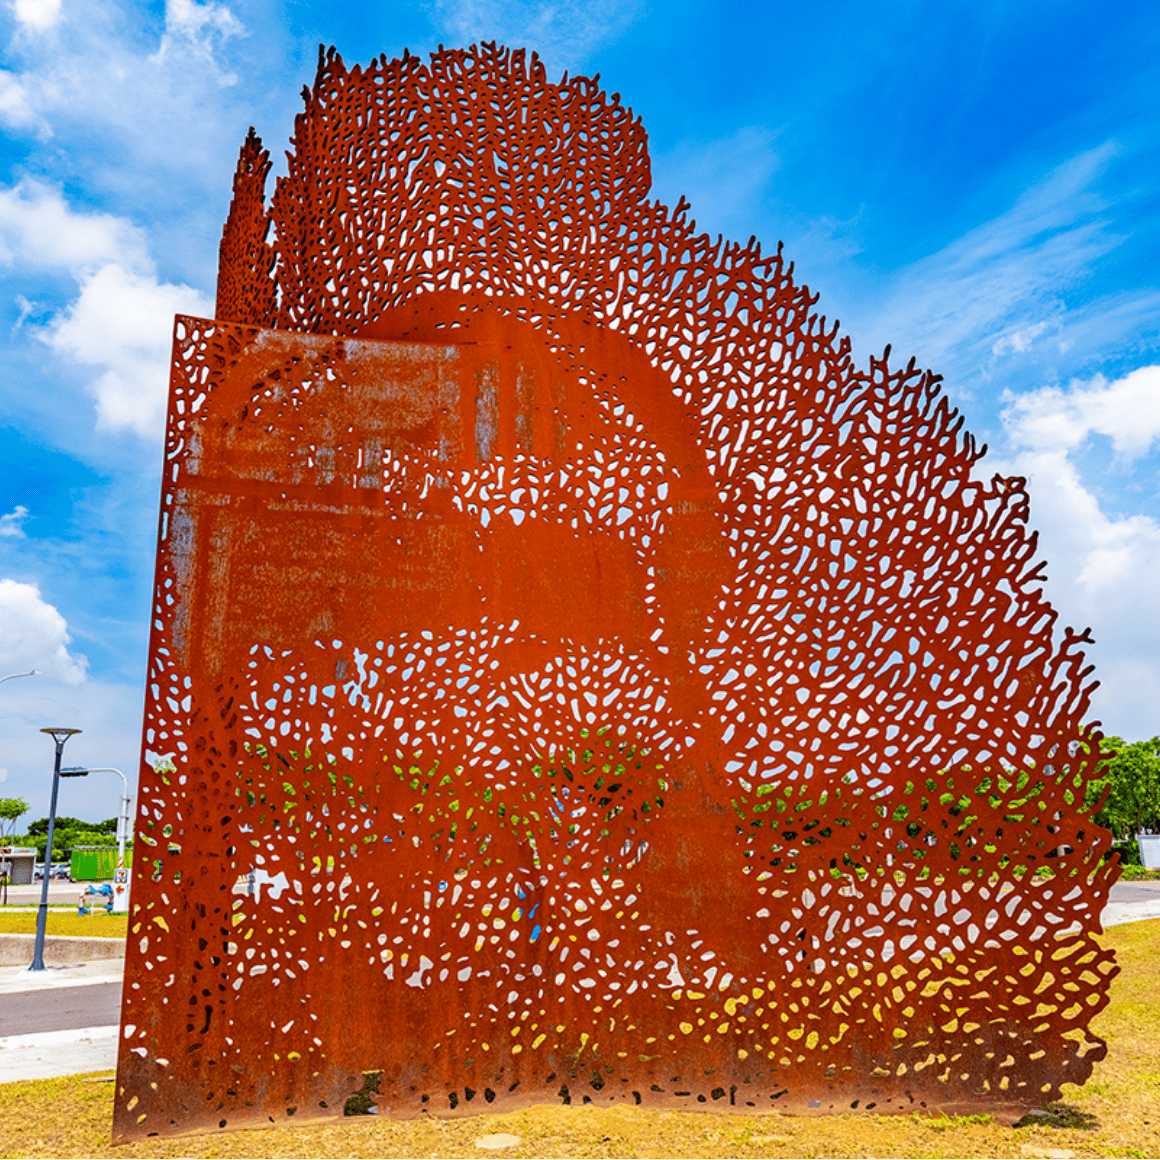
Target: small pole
{"type": "Point", "coordinates": [122, 828]}
{"type": "Point", "coordinates": [60, 736]}
{"type": "Point", "coordinates": [121, 895]}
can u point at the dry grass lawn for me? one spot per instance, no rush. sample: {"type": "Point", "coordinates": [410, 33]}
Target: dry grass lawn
{"type": "Point", "coordinates": [66, 922]}
{"type": "Point", "coordinates": [71, 1117]}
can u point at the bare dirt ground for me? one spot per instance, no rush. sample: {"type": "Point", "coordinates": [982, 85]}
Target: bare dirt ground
{"type": "Point", "coordinates": [1116, 1114]}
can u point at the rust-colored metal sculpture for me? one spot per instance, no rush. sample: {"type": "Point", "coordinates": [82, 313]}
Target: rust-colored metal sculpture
{"type": "Point", "coordinates": [578, 680]}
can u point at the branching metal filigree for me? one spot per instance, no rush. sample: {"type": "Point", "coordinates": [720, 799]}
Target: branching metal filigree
{"type": "Point", "coordinates": [572, 677]}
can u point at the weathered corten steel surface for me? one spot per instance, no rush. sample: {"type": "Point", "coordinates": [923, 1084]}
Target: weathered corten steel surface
{"type": "Point", "coordinates": [581, 681]}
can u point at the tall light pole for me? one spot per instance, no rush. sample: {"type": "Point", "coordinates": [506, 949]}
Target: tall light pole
{"type": "Point", "coordinates": [60, 736]}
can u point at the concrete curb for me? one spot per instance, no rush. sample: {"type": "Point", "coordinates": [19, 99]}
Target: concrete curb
{"type": "Point", "coordinates": [17, 949]}
{"type": "Point", "coordinates": [1117, 913]}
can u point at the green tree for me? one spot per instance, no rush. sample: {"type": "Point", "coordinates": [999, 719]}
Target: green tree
{"type": "Point", "coordinates": [1131, 773]}
{"type": "Point", "coordinates": [10, 810]}
{"type": "Point", "coordinates": [69, 833]}
{"type": "Point", "coordinates": [63, 822]}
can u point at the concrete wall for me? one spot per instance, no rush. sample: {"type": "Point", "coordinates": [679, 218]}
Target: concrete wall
{"type": "Point", "coordinates": [16, 949]}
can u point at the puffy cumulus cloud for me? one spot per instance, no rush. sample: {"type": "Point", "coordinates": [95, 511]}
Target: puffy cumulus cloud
{"type": "Point", "coordinates": [138, 115]}
{"type": "Point", "coordinates": [34, 635]}
{"type": "Point", "coordinates": [122, 325]}
{"type": "Point", "coordinates": [37, 15]}
{"type": "Point", "coordinates": [1102, 565]}
{"type": "Point", "coordinates": [40, 230]}
{"type": "Point", "coordinates": [1106, 557]}
{"type": "Point", "coordinates": [1127, 411]}
{"type": "Point", "coordinates": [564, 32]}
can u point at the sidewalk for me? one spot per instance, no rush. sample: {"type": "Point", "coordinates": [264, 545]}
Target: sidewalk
{"type": "Point", "coordinates": [17, 979]}
{"type": "Point", "coordinates": [49, 1054]}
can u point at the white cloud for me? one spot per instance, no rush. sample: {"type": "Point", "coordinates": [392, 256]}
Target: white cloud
{"type": "Point", "coordinates": [123, 322]}
{"type": "Point", "coordinates": [34, 635]}
{"type": "Point", "coordinates": [1018, 341]}
{"type": "Point", "coordinates": [12, 524]}
{"type": "Point", "coordinates": [1102, 566]}
{"type": "Point", "coordinates": [37, 15]}
{"type": "Point", "coordinates": [136, 112]}
{"type": "Point", "coordinates": [16, 110]}
{"type": "Point", "coordinates": [200, 29]}
{"type": "Point", "coordinates": [1007, 300]}
{"type": "Point", "coordinates": [141, 124]}
{"type": "Point", "coordinates": [200, 21]}
{"type": "Point", "coordinates": [563, 32]}
{"type": "Point", "coordinates": [1127, 411]}
{"type": "Point", "coordinates": [39, 229]}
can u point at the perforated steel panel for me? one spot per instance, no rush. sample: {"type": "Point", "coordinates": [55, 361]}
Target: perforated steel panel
{"type": "Point", "coordinates": [573, 678]}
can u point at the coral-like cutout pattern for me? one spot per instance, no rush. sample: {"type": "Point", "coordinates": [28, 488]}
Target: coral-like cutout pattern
{"type": "Point", "coordinates": [571, 677]}
{"type": "Point", "coordinates": [249, 290]}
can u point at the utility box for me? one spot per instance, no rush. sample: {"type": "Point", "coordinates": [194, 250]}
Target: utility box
{"type": "Point", "coordinates": [18, 862]}
{"type": "Point", "coordinates": [95, 863]}
{"type": "Point", "coordinates": [1149, 845]}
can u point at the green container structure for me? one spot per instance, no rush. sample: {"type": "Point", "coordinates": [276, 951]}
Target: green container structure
{"type": "Point", "coordinates": [96, 863]}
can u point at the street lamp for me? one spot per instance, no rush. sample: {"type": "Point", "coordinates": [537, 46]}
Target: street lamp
{"type": "Point", "coordinates": [60, 736]}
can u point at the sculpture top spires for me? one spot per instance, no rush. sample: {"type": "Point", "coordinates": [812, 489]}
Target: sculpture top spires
{"type": "Point", "coordinates": [498, 175]}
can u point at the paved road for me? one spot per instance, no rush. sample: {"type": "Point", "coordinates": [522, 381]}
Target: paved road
{"type": "Point", "coordinates": [59, 894]}
{"type": "Point", "coordinates": [60, 1009]}
{"type": "Point", "coordinates": [1135, 892]}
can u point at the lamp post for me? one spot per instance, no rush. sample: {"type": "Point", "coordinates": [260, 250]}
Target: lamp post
{"type": "Point", "coordinates": [60, 736]}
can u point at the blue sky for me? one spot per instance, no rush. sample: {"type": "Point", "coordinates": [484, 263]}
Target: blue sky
{"type": "Point", "coordinates": [974, 183]}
